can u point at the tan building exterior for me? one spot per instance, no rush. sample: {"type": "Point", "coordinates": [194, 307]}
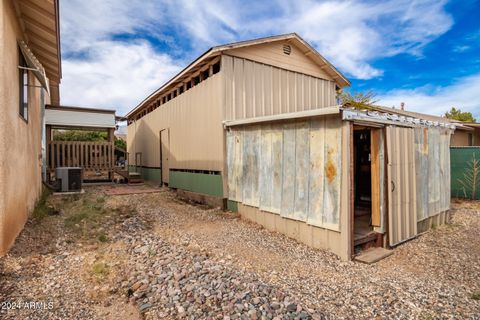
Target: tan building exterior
{"type": "Point", "coordinates": [256, 126]}
{"type": "Point", "coordinates": [29, 37]}
{"type": "Point", "coordinates": [466, 135]}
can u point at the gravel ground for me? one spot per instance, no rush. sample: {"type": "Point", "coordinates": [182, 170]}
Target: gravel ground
{"type": "Point", "coordinates": [153, 256]}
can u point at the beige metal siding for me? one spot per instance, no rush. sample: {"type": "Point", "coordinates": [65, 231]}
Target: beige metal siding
{"type": "Point", "coordinates": [272, 54]}
{"type": "Point", "coordinates": [254, 89]}
{"type": "Point", "coordinates": [402, 213]}
{"type": "Point", "coordinates": [196, 133]}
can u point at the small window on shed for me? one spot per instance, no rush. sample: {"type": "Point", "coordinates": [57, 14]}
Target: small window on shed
{"type": "Point", "coordinates": [169, 97]}
{"type": "Point", "coordinates": [181, 89]}
{"type": "Point", "coordinates": [174, 93]}
{"type": "Point", "coordinates": [205, 74]}
{"type": "Point", "coordinates": [287, 49]}
{"type": "Point", "coordinates": [196, 80]}
{"type": "Point", "coordinates": [189, 84]}
{"type": "Point", "coordinates": [164, 99]}
{"type": "Point", "coordinates": [216, 67]}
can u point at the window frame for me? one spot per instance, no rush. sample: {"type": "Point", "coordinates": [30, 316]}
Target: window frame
{"type": "Point", "coordinates": [23, 82]}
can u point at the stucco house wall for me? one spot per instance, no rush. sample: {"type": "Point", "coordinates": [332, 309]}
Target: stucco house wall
{"type": "Point", "coordinates": [20, 140]}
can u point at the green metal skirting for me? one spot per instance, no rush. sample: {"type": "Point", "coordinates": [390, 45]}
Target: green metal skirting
{"type": "Point", "coordinates": [460, 162]}
{"type": "Point", "coordinates": [210, 184]}
{"type": "Point", "coordinates": [232, 206]}
{"type": "Point", "coordinates": [149, 174]}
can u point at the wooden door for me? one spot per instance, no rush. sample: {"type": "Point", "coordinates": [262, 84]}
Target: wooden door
{"type": "Point", "coordinates": [402, 216]}
{"type": "Point", "coordinates": [164, 154]}
{"type": "Point", "coordinates": [375, 140]}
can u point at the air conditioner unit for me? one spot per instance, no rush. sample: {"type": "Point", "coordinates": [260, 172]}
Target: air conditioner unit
{"type": "Point", "coordinates": [69, 178]}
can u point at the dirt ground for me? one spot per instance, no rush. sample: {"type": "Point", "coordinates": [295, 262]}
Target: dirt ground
{"type": "Point", "coordinates": [107, 255]}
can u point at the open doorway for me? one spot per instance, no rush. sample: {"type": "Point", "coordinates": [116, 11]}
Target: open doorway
{"type": "Point", "coordinates": [366, 187]}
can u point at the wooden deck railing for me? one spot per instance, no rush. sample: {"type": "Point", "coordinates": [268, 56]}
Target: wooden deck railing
{"type": "Point", "coordinates": [86, 154]}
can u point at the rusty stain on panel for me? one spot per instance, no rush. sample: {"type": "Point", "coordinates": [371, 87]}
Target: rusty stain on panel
{"type": "Point", "coordinates": [330, 170]}
{"type": "Point", "coordinates": [333, 143]}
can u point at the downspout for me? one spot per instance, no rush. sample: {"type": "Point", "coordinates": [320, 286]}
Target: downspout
{"type": "Point", "coordinates": [44, 136]}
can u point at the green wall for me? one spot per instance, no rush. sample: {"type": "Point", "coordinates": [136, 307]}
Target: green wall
{"type": "Point", "coordinates": [150, 174]}
{"type": "Point", "coordinates": [460, 162]}
{"type": "Point", "coordinates": [210, 184]}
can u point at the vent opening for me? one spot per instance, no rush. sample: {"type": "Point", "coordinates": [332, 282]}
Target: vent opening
{"type": "Point", "coordinates": [287, 49]}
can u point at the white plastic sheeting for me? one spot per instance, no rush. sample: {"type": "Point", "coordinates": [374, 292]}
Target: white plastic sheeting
{"type": "Point", "coordinates": [292, 169]}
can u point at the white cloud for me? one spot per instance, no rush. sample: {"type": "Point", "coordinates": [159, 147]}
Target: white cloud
{"type": "Point", "coordinates": [462, 94]}
{"type": "Point", "coordinates": [102, 70]}
{"type": "Point", "coordinates": [116, 75]}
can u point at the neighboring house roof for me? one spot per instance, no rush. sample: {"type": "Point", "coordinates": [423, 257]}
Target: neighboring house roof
{"type": "Point", "coordinates": [294, 38]}
{"type": "Point", "coordinates": [466, 126]}
{"type": "Point", "coordinates": [78, 117]}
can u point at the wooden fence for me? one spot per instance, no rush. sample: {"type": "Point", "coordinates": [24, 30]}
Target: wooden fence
{"type": "Point", "coordinates": [89, 155]}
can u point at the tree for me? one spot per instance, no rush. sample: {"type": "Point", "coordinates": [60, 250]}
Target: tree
{"type": "Point", "coordinates": [358, 100]}
{"type": "Point", "coordinates": [82, 135]}
{"type": "Point", "coordinates": [471, 178]}
{"type": "Point", "coordinates": [457, 114]}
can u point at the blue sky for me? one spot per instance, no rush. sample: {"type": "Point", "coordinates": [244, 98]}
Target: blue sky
{"type": "Point", "coordinates": [424, 53]}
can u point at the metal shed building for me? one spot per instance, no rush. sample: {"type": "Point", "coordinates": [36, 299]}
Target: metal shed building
{"type": "Point", "coordinates": [256, 124]}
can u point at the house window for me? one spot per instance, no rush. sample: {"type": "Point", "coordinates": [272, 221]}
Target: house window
{"type": "Point", "coordinates": [23, 87]}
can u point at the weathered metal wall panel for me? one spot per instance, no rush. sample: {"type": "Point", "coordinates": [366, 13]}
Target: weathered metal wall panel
{"type": "Point", "coordinates": [302, 150]}
{"type": "Point", "coordinates": [277, 164]}
{"type": "Point", "coordinates": [266, 178]}
{"type": "Point", "coordinates": [288, 185]}
{"type": "Point", "coordinates": [250, 167]}
{"type": "Point", "coordinates": [432, 162]}
{"type": "Point", "coordinates": [331, 200]}
{"type": "Point", "coordinates": [316, 172]}
{"type": "Point", "coordinates": [402, 187]}
{"type": "Point", "coordinates": [297, 166]}
{"type": "Point", "coordinates": [254, 89]}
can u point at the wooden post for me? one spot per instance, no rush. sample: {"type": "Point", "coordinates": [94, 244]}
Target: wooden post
{"type": "Point", "coordinates": [111, 158]}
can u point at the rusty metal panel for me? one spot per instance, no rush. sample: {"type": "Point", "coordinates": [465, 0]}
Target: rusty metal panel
{"type": "Point", "coordinates": [316, 174]}
{"type": "Point", "coordinates": [298, 165]}
{"type": "Point", "coordinates": [238, 165]}
{"type": "Point", "coordinates": [401, 184]}
{"type": "Point", "coordinates": [288, 185]}
{"type": "Point", "coordinates": [232, 155]}
{"type": "Point", "coordinates": [266, 170]}
{"type": "Point", "coordinates": [333, 145]}
{"type": "Point", "coordinates": [433, 171]}
{"type": "Point", "coordinates": [251, 157]}
{"type": "Point", "coordinates": [277, 167]}
{"type": "Point", "coordinates": [421, 166]}
{"type": "Point", "coordinates": [302, 150]}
